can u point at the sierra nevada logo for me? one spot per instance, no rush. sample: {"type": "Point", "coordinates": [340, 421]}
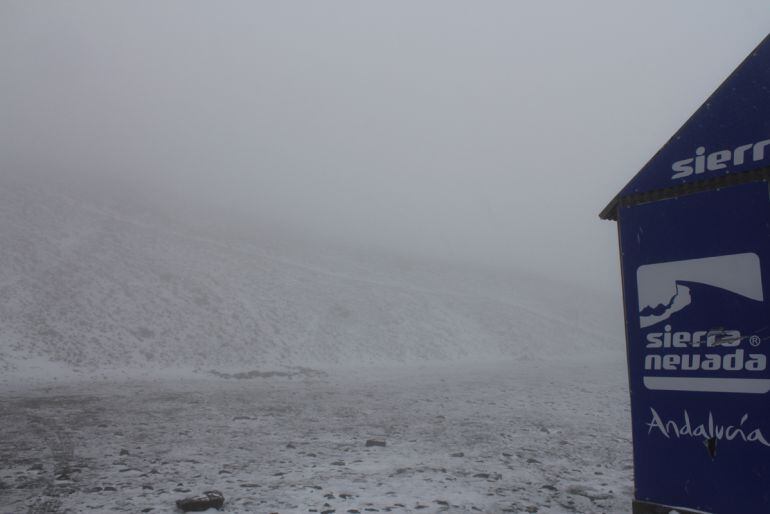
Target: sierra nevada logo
{"type": "Point", "coordinates": [720, 159]}
{"type": "Point", "coordinates": [667, 288]}
{"type": "Point", "coordinates": [701, 320]}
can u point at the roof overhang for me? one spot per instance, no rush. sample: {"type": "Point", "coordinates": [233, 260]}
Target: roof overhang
{"type": "Point", "coordinates": [611, 211]}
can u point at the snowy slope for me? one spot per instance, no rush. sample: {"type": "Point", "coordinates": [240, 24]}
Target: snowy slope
{"type": "Point", "coordinates": [91, 287]}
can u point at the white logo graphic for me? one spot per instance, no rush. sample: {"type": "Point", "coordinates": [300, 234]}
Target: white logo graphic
{"type": "Point", "coordinates": [661, 292]}
{"type": "Point", "coordinates": [664, 289]}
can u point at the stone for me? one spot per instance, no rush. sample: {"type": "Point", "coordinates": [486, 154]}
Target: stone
{"type": "Point", "coordinates": [202, 502]}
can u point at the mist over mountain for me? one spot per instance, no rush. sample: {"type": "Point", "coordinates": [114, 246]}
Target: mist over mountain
{"type": "Point", "coordinates": [111, 280]}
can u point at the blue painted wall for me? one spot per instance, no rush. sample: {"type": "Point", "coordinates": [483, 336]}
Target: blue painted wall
{"type": "Point", "coordinates": [696, 280]}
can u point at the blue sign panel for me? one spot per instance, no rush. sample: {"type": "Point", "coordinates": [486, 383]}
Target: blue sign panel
{"type": "Point", "coordinates": [729, 133]}
{"type": "Point", "coordinates": [696, 279]}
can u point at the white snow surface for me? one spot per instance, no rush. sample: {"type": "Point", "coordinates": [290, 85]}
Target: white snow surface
{"type": "Point", "coordinates": [546, 437]}
{"type": "Point", "coordinates": [143, 360]}
{"type": "Point", "coordinates": [93, 288]}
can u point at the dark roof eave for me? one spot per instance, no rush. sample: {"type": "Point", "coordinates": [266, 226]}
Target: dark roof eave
{"type": "Point", "coordinates": [611, 211]}
{"type": "Point", "coordinates": [732, 179]}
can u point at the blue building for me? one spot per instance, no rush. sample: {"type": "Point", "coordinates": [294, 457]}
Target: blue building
{"type": "Point", "coordinates": [694, 234]}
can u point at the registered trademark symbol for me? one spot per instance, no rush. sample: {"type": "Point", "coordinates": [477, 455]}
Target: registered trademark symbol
{"type": "Point", "coordinates": [755, 340]}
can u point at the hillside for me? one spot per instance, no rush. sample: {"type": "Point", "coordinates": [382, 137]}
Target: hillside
{"type": "Point", "coordinates": [89, 286]}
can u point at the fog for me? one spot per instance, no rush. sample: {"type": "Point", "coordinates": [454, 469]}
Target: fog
{"type": "Point", "coordinates": [343, 256]}
{"type": "Point", "coordinates": [489, 133]}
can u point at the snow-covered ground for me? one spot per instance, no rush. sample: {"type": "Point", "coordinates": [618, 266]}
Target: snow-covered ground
{"type": "Point", "coordinates": [535, 436]}
{"type": "Point", "coordinates": [142, 360]}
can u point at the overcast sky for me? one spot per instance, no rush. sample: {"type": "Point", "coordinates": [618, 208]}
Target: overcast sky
{"type": "Point", "coordinates": [484, 131]}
